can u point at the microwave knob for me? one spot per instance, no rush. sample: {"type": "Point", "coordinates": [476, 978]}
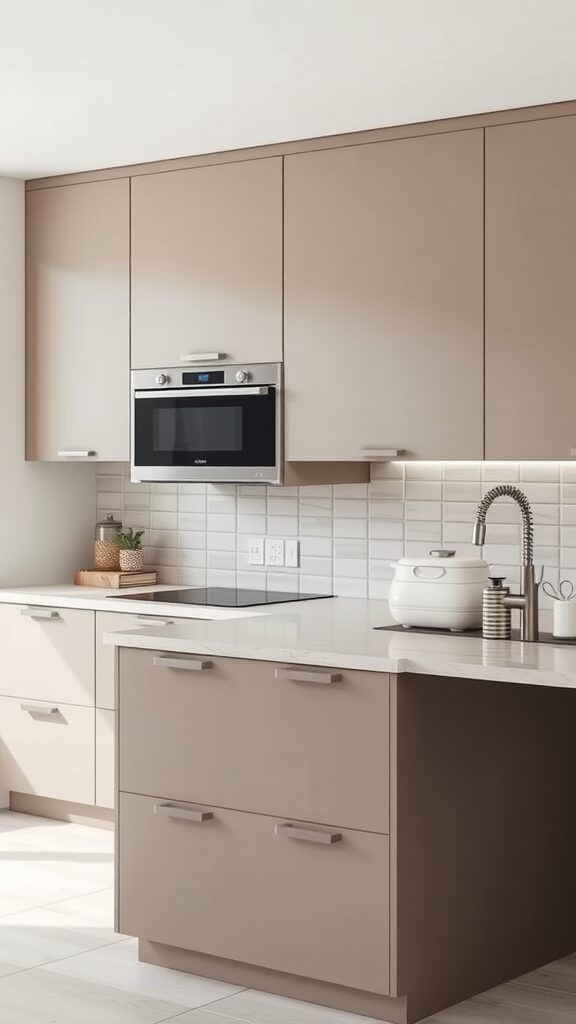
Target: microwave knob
{"type": "Point", "coordinates": [162, 378]}
{"type": "Point", "coordinates": [242, 376]}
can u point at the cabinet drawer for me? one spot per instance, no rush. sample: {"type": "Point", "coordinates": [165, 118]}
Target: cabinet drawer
{"type": "Point", "coordinates": [104, 758]}
{"type": "Point", "coordinates": [233, 886]}
{"type": "Point", "coordinates": [257, 737]}
{"type": "Point", "coordinates": [47, 749]}
{"type": "Point", "coordinates": [47, 653]}
{"type": "Point", "coordinates": [111, 622]}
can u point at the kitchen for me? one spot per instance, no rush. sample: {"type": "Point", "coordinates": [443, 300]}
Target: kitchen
{"type": "Point", "coordinates": [286, 590]}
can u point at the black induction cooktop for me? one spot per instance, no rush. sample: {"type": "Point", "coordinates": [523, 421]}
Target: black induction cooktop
{"type": "Point", "coordinates": [221, 597]}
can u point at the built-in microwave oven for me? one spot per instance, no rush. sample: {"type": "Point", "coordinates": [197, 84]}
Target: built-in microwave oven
{"type": "Point", "coordinates": [213, 423]}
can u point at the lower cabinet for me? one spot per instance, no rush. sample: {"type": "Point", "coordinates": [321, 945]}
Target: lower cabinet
{"type": "Point", "coordinates": [105, 725]}
{"type": "Point", "coordinates": [310, 900]}
{"type": "Point", "coordinates": [47, 749]}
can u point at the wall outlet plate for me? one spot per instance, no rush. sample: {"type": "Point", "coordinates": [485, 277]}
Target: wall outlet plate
{"type": "Point", "coordinates": [291, 553]}
{"type": "Point", "coordinates": [274, 551]}
{"type": "Point", "coordinates": [256, 550]}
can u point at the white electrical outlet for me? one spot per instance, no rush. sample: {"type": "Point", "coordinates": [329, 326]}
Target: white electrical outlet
{"type": "Point", "coordinates": [291, 553]}
{"type": "Point", "coordinates": [256, 550]}
{"type": "Point", "coordinates": [274, 549]}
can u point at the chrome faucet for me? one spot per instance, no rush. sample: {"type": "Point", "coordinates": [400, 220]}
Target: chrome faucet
{"type": "Point", "coordinates": [527, 600]}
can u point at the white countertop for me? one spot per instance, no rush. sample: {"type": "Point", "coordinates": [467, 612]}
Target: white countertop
{"type": "Point", "coordinates": [331, 631]}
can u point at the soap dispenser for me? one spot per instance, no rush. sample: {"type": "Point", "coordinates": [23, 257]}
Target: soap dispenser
{"type": "Point", "coordinates": [496, 618]}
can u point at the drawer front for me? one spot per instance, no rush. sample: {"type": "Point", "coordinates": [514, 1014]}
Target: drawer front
{"type": "Point", "coordinates": [47, 653]}
{"type": "Point", "coordinates": [241, 736]}
{"type": "Point", "coordinates": [105, 758]}
{"type": "Point", "coordinates": [111, 622]}
{"type": "Point", "coordinates": [47, 749]}
{"type": "Point", "coordinates": [232, 886]}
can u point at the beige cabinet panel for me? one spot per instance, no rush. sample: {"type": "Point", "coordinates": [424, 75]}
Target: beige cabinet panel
{"type": "Point", "coordinates": [106, 655]}
{"type": "Point", "coordinates": [207, 264]}
{"type": "Point", "coordinates": [47, 653]}
{"type": "Point", "coordinates": [77, 320]}
{"type": "Point", "coordinates": [384, 300]}
{"type": "Point", "coordinates": [105, 724]}
{"type": "Point", "coordinates": [240, 736]}
{"type": "Point", "coordinates": [47, 749]}
{"type": "Point", "coordinates": [233, 887]}
{"type": "Point", "coordinates": [530, 295]}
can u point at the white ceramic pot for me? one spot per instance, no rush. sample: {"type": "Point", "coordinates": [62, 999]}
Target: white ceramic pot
{"type": "Point", "coordinates": [438, 591]}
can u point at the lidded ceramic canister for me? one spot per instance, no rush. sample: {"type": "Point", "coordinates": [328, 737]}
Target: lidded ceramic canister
{"type": "Point", "coordinates": [106, 552]}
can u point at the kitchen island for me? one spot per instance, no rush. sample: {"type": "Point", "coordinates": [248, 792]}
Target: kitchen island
{"type": "Point", "coordinates": [376, 821]}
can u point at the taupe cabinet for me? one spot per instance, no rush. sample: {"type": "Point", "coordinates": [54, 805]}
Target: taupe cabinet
{"type": "Point", "coordinates": [207, 265]}
{"type": "Point", "coordinates": [77, 321]}
{"type": "Point", "coordinates": [383, 299]}
{"type": "Point", "coordinates": [530, 293]}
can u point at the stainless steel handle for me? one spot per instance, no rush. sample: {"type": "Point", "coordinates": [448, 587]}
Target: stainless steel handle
{"type": "Point", "coordinates": [75, 453]}
{"type": "Point", "coordinates": [36, 612]}
{"type": "Point", "coordinates": [309, 835]}
{"type": "Point", "coordinates": [153, 621]}
{"type": "Point", "coordinates": [186, 813]}
{"type": "Point", "coordinates": [39, 709]}
{"type": "Point", "coordinates": [202, 392]}
{"type": "Point", "coordinates": [190, 664]}
{"type": "Point", "coordinates": [202, 357]}
{"type": "Point", "coordinates": [307, 675]}
{"type": "Point", "coordinates": [379, 453]}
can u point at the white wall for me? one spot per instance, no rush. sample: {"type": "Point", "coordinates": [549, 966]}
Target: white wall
{"type": "Point", "coordinates": [46, 510]}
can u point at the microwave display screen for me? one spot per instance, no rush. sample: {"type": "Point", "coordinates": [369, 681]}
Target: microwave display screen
{"type": "Point", "coordinates": [194, 429]}
{"type": "Point", "coordinates": [204, 377]}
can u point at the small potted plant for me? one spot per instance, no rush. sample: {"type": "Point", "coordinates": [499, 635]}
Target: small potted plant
{"type": "Point", "coordinates": [131, 553]}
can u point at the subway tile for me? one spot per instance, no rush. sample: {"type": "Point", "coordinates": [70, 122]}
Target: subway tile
{"type": "Point", "coordinates": [350, 527]}
{"type": "Point", "coordinates": [454, 533]}
{"type": "Point", "coordinates": [314, 526]}
{"type": "Point", "coordinates": [315, 491]}
{"type": "Point", "coordinates": [423, 471]}
{"type": "Point", "coordinates": [542, 493]}
{"type": "Point", "coordinates": [254, 525]}
{"type": "Point", "coordinates": [286, 581]}
{"type": "Point", "coordinates": [386, 548]}
{"type": "Point", "coordinates": [351, 508]}
{"type": "Point", "coordinates": [462, 471]}
{"type": "Point", "coordinates": [257, 490]}
{"type": "Point", "coordinates": [568, 472]}
{"type": "Point", "coordinates": [461, 512]}
{"type": "Point", "coordinates": [221, 578]}
{"type": "Point", "coordinates": [192, 558]}
{"type": "Point", "coordinates": [163, 538]}
{"type": "Point", "coordinates": [501, 533]}
{"type": "Point", "coordinates": [547, 535]}
{"type": "Point", "coordinates": [112, 484]}
{"type": "Point", "coordinates": [500, 472]}
{"type": "Point", "coordinates": [168, 575]}
{"type": "Point", "coordinates": [137, 520]}
{"type": "Point", "coordinates": [462, 490]}
{"type": "Point", "coordinates": [129, 487]}
{"type": "Point", "coordinates": [423, 490]}
{"type": "Point", "coordinates": [136, 501]}
{"type": "Point", "coordinates": [250, 506]}
{"type": "Point", "coordinates": [221, 541]}
{"type": "Point", "coordinates": [386, 509]}
{"type": "Point", "coordinates": [320, 547]}
{"type": "Point", "coordinates": [568, 536]}
{"type": "Point", "coordinates": [386, 529]}
{"type": "Point", "coordinates": [427, 510]}
{"type": "Point", "coordinates": [386, 471]}
{"type": "Point", "coordinates": [546, 556]}
{"type": "Point", "coordinates": [110, 468]}
{"type": "Point", "coordinates": [219, 559]}
{"type": "Point", "coordinates": [568, 515]}
{"type": "Point", "coordinates": [422, 530]}
{"type": "Point", "coordinates": [249, 581]}
{"type": "Point", "coordinates": [568, 493]}
{"type": "Point", "coordinates": [113, 500]}
{"type": "Point", "coordinates": [568, 558]}
{"type": "Point", "coordinates": [315, 584]}
{"type": "Point", "coordinates": [502, 553]}
{"type": "Point", "coordinates": [191, 539]}
{"type": "Point", "coordinates": [161, 556]}
{"type": "Point", "coordinates": [540, 472]}
{"type": "Point", "coordinates": [282, 526]}
{"type": "Point", "coordinates": [353, 548]}
{"type": "Point", "coordinates": [221, 504]}
{"type": "Point", "coordinates": [192, 503]}
{"type": "Point", "coordinates": [275, 491]}
{"type": "Point", "coordinates": [387, 489]}
{"type": "Point", "coordinates": [192, 577]}
{"type": "Point", "coordinates": [282, 506]}
{"type": "Point", "coordinates": [191, 488]}
{"type": "Point", "coordinates": [378, 590]}
{"type": "Point", "coordinates": [163, 520]}
{"type": "Point", "coordinates": [163, 502]}
{"type": "Point", "coordinates": [221, 524]}
{"type": "Point", "coordinates": [316, 506]}
{"type": "Point", "coordinates": [191, 521]}
{"type": "Point", "coordinates": [315, 566]}
{"type": "Point", "coordinates": [350, 490]}
{"type": "Point", "coordinates": [351, 567]}
{"type": "Point", "coordinates": [380, 569]}
{"type": "Point", "coordinates": [164, 488]}
{"type": "Point", "coordinates": [546, 515]}
{"type": "Point", "coordinates": [417, 548]}
{"type": "Point", "coordinates": [350, 587]}
{"type": "Point", "coordinates": [222, 489]}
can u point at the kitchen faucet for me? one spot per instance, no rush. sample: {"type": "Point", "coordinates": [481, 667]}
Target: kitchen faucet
{"type": "Point", "coordinates": [527, 600]}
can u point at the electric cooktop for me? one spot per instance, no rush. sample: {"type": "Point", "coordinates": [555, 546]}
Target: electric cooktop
{"type": "Point", "coordinates": [221, 597]}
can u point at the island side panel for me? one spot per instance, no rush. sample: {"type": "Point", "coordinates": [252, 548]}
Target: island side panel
{"type": "Point", "coordinates": [483, 873]}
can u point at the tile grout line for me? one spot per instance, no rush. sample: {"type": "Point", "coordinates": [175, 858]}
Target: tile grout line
{"type": "Point", "coordinates": [53, 903]}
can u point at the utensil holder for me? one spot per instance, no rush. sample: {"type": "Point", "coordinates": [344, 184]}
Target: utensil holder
{"type": "Point", "coordinates": [564, 618]}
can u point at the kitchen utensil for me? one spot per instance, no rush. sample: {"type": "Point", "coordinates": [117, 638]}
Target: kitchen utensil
{"type": "Point", "coordinates": [106, 553]}
{"type": "Point", "coordinates": [496, 618]}
{"type": "Point", "coordinates": [438, 590]}
{"type": "Point", "coordinates": [565, 591]}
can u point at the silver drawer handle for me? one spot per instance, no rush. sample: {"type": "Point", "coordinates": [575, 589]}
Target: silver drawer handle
{"type": "Point", "coordinates": [40, 613]}
{"type": "Point", "coordinates": [153, 621]}
{"type": "Point", "coordinates": [304, 675]}
{"type": "Point", "coordinates": [75, 453]}
{"type": "Point", "coordinates": [39, 709]}
{"type": "Point", "coordinates": [378, 453]}
{"type": "Point", "coordinates": [190, 664]}
{"type": "Point", "coordinates": [186, 813]}
{"type": "Point", "coordinates": [202, 357]}
{"type": "Point", "coordinates": [309, 835]}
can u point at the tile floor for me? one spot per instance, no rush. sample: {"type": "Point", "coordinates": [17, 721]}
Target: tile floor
{"type": "Point", "coordinates": [62, 963]}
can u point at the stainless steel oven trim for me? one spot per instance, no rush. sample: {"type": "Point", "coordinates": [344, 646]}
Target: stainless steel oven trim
{"type": "Point", "coordinates": [261, 374]}
{"type": "Point", "coordinates": [215, 392]}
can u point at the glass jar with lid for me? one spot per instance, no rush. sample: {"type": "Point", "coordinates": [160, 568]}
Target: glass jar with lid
{"type": "Point", "coordinates": [106, 551]}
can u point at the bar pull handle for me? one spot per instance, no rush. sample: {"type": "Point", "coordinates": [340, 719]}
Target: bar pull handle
{"type": "Point", "coordinates": [309, 835]}
{"type": "Point", "coordinates": [151, 620]}
{"type": "Point", "coordinates": [76, 453]}
{"type": "Point", "coordinates": [189, 664]}
{"type": "Point", "coordinates": [185, 813]}
{"type": "Point", "coordinates": [307, 675]}
{"type": "Point", "coordinates": [40, 710]}
{"type": "Point", "coordinates": [379, 453]}
{"type": "Point", "coordinates": [202, 357]}
{"type": "Point", "coordinates": [36, 612]}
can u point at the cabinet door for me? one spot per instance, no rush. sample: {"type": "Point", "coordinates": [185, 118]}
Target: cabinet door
{"type": "Point", "coordinates": [257, 889]}
{"type": "Point", "coordinates": [383, 299]}
{"type": "Point", "coordinates": [207, 264]}
{"type": "Point", "coordinates": [105, 788]}
{"type": "Point", "coordinates": [47, 653]}
{"type": "Point", "coordinates": [77, 310]}
{"type": "Point", "coordinates": [530, 295]}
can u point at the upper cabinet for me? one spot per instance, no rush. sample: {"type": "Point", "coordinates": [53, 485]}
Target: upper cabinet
{"type": "Point", "coordinates": [207, 265]}
{"type": "Point", "coordinates": [530, 293]}
{"type": "Point", "coordinates": [384, 299]}
{"type": "Point", "coordinates": [77, 321]}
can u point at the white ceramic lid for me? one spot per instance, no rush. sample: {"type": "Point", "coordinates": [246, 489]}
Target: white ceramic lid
{"type": "Point", "coordinates": [445, 557]}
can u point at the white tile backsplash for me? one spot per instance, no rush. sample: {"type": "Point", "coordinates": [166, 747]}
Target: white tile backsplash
{"type": "Point", "coordinates": [349, 533]}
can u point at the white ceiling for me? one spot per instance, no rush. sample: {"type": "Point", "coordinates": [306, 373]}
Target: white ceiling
{"type": "Point", "coordinates": [96, 83]}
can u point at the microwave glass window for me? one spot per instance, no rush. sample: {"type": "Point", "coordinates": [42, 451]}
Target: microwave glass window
{"type": "Point", "coordinates": [197, 429]}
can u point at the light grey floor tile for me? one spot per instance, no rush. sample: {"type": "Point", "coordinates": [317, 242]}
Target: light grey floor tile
{"type": "Point", "coordinates": [118, 966]}
{"type": "Point", "coordinates": [253, 1007]}
{"type": "Point", "coordinates": [37, 937]}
